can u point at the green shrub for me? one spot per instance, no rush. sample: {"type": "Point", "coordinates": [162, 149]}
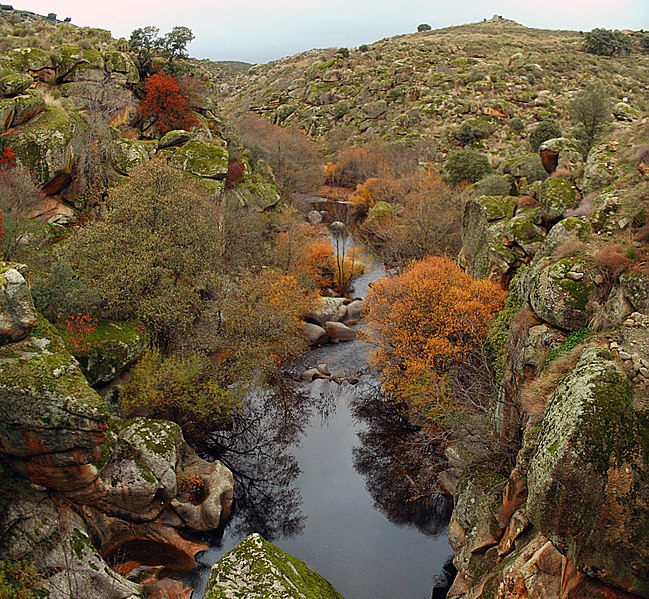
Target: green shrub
{"type": "Point", "coordinates": [547, 129]}
{"type": "Point", "coordinates": [517, 124]}
{"type": "Point", "coordinates": [466, 166]}
{"type": "Point", "coordinates": [470, 132]}
{"type": "Point", "coordinates": [493, 185]}
{"type": "Point", "coordinates": [363, 48]}
{"type": "Point", "coordinates": [61, 293]}
{"type": "Point", "coordinates": [573, 340]}
{"type": "Point", "coordinates": [605, 42]}
{"type": "Point", "coordinates": [423, 27]}
{"type": "Point", "coordinates": [182, 388]}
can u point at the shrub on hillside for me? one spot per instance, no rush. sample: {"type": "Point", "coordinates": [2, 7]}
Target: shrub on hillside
{"type": "Point", "coordinates": [605, 42]}
{"type": "Point", "coordinates": [466, 166]}
{"type": "Point", "coordinates": [545, 130]}
{"type": "Point", "coordinates": [165, 102]}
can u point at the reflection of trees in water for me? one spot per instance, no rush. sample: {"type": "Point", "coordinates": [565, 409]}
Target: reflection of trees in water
{"type": "Point", "coordinates": [400, 462]}
{"type": "Point", "coordinates": [257, 452]}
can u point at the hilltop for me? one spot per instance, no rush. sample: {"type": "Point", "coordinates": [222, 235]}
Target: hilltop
{"type": "Point", "coordinates": [422, 86]}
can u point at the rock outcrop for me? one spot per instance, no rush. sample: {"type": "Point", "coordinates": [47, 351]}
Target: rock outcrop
{"type": "Point", "coordinates": [83, 485]}
{"type": "Point", "coordinates": [256, 568]}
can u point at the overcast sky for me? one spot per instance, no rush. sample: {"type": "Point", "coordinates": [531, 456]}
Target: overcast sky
{"type": "Point", "coordinates": [263, 30]}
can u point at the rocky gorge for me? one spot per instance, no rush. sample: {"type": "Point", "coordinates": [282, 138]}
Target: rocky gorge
{"type": "Point", "coordinates": [550, 497]}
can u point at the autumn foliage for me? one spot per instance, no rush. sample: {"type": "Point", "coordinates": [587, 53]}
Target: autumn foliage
{"type": "Point", "coordinates": [7, 158]}
{"type": "Point", "coordinates": [78, 328]}
{"type": "Point", "coordinates": [167, 104]}
{"type": "Point", "coordinates": [425, 322]}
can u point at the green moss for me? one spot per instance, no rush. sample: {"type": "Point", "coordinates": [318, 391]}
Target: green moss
{"type": "Point", "coordinates": [497, 207]}
{"type": "Point", "coordinates": [500, 330]}
{"type": "Point", "coordinates": [257, 568]}
{"type": "Point", "coordinates": [48, 371]}
{"type": "Point", "coordinates": [573, 340]}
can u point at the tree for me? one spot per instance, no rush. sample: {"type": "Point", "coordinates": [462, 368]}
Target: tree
{"type": "Point", "coordinates": [165, 102]}
{"type": "Point", "coordinates": [155, 256]}
{"type": "Point", "coordinates": [426, 221]}
{"type": "Point", "coordinates": [174, 44]}
{"type": "Point", "coordinates": [466, 166]}
{"type": "Point", "coordinates": [546, 129]}
{"type": "Point", "coordinates": [591, 113]}
{"type": "Point", "coordinates": [294, 159]}
{"type": "Point", "coordinates": [426, 323]}
{"type": "Point", "coordinates": [605, 42]}
{"type": "Point", "coordinates": [423, 27]}
{"type": "Point", "coordinates": [144, 42]}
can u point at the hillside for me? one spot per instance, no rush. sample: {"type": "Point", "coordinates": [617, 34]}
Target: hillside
{"type": "Point", "coordinates": [421, 87]}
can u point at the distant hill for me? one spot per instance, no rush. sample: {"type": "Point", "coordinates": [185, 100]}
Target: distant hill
{"type": "Point", "coordinates": [422, 86]}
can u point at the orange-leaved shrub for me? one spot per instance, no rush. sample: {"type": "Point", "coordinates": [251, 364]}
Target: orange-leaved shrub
{"type": "Point", "coordinates": [167, 104]}
{"type": "Point", "coordinates": [425, 323]}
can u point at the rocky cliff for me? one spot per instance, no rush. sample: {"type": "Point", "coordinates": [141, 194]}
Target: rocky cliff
{"type": "Point", "coordinates": [573, 344]}
{"type": "Point", "coordinates": [82, 488]}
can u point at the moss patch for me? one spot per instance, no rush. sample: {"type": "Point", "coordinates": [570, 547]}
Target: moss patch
{"type": "Point", "coordinates": [257, 569]}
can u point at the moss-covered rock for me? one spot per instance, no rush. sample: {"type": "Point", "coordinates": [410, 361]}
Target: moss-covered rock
{"type": "Point", "coordinates": [474, 525]}
{"type": "Point", "coordinates": [26, 107]}
{"type": "Point", "coordinates": [43, 146]}
{"type": "Point", "coordinates": [624, 112]}
{"type": "Point", "coordinates": [557, 196]}
{"type": "Point", "coordinates": [561, 153]}
{"type": "Point", "coordinates": [585, 479]}
{"type": "Point", "coordinates": [559, 293]}
{"type": "Point", "coordinates": [14, 84]}
{"type": "Point", "coordinates": [482, 239]}
{"type": "Point", "coordinates": [81, 64]}
{"type": "Point", "coordinates": [203, 159]}
{"type": "Point", "coordinates": [51, 421]}
{"type": "Point", "coordinates": [7, 107]}
{"type": "Point", "coordinates": [525, 233]}
{"type": "Point", "coordinates": [635, 286]}
{"type": "Point", "coordinates": [33, 59]}
{"type": "Point", "coordinates": [121, 63]}
{"type": "Point", "coordinates": [257, 569]}
{"type": "Point", "coordinates": [571, 229]}
{"type": "Point", "coordinates": [138, 468]}
{"type": "Point", "coordinates": [111, 348]}
{"type": "Point", "coordinates": [128, 154]}
{"type": "Point", "coordinates": [177, 137]}
{"type": "Point", "coordinates": [600, 169]}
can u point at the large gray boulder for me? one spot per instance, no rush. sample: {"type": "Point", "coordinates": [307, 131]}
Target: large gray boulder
{"type": "Point", "coordinates": [257, 569]}
{"type": "Point", "coordinates": [560, 293]}
{"type": "Point", "coordinates": [17, 313]}
{"type": "Point", "coordinates": [585, 479]}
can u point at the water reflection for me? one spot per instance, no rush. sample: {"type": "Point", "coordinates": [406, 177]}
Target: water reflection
{"type": "Point", "coordinates": [257, 450]}
{"type": "Point", "coordinates": [400, 464]}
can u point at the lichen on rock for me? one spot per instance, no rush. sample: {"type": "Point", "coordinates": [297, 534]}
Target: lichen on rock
{"type": "Point", "coordinates": [257, 569]}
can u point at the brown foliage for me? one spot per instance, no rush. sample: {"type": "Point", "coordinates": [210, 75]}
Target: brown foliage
{"type": "Point", "coordinates": [192, 486]}
{"type": "Point", "coordinates": [424, 323]}
{"type": "Point", "coordinates": [294, 158]}
{"type": "Point", "coordinates": [611, 262]}
{"type": "Point", "coordinates": [427, 217]}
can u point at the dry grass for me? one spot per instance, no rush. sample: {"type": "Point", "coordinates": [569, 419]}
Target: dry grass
{"type": "Point", "coordinates": [536, 394]}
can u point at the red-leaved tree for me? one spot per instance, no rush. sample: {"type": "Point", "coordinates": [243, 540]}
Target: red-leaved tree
{"type": "Point", "coordinates": [167, 104]}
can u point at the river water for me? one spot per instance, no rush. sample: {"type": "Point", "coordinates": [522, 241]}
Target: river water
{"type": "Point", "coordinates": [335, 477]}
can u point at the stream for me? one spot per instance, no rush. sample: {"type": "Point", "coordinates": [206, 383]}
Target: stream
{"type": "Point", "coordinates": [335, 477]}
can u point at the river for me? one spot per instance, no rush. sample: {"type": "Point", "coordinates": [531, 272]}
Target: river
{"type": "Point", "coordinates": [335, 477]}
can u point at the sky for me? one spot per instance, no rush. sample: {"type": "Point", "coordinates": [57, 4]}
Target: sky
{"type": "Point", "coordinates": [258, 31]}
